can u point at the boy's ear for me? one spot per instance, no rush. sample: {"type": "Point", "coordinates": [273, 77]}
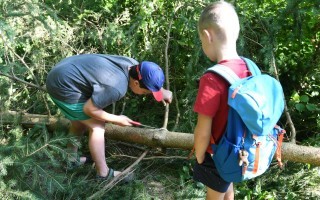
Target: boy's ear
{"type": "Point", "coordinates": [207, 35]}
{"type": "Point", "coordinates": [136, 82]}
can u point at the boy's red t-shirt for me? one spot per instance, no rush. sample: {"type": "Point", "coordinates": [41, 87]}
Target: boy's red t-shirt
{"type": "Point", "coordinates": [212, 97]}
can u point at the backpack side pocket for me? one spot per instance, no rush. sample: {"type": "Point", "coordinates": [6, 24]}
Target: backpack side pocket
{"type": "Point", "coordinates": [226, 159]}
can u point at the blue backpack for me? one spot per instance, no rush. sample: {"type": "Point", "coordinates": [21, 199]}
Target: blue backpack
{"type": "Point", "coordinates": [252, 137]}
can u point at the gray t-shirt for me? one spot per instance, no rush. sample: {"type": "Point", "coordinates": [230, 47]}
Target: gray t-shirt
{"type": "Point", "coordinates": [103, 78]}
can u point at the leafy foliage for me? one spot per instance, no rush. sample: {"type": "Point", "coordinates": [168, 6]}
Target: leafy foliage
{"type": "Point", "coordinates": [34, 35]}
{"type": "Point", "coordinates": [295, 181]}
{"type": "Point", "coordinates": [289, 31]}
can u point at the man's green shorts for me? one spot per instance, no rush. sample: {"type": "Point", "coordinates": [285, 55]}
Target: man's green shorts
{"type": "Point", "coordinates": [71, 111]}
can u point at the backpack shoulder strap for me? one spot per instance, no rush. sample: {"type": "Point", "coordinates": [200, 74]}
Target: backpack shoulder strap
{"type": "Point", "coordinates": [252, 67]}
{"type": "Point", "coordinates": [225, 72]}
{"type": "Point", "coordinates": [229, 75]}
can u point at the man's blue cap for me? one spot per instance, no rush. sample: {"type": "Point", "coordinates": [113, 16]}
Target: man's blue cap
{"type": "Point", "coordinates": [153, 78]}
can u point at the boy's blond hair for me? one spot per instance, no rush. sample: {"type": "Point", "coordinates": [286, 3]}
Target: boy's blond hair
{"type": "Point", "coordinates": [222, 18]}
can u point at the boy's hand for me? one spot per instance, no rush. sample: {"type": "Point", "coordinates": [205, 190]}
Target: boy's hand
{"type": "Point", "coordinates": [123, 120]}
{"type": "Point", "coordinates": [167, 96]}
{"type": "Point", "coordinates": [200, 159]}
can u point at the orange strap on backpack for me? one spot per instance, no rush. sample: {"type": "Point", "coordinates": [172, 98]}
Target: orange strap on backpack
{"type": "Point", "coordinates": [191, 153]}
{"type": "Point", "coordinates": [279, 145]}
{"type": "Point", "coordinates": [256, 160]}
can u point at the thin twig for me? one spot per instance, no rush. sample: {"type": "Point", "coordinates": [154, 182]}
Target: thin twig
{"type": "Point", "coordinates": [13, 77]}
{"type": "Point", "coordinates": [153, 157]}
{"type": "Point", "coordinates": [178, 110]}
{"type": "Point", "coordinates": [253, 41]}
{"type": "Point", "coordinates": [118, 178]}
{"type": "Point", "coordinates": [166, 114]}
{"type": "Point", "coordinates": [131, 146]}
{"type": "Point", "coordinates": [286, 110]}
{"type": "Point", "coordinates": [44, 146]}
{"type": "Point", "coordinates": [123, 106]}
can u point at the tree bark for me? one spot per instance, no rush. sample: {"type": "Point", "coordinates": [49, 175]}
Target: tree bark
{"type": "Point", "coordinates": [156, 137]}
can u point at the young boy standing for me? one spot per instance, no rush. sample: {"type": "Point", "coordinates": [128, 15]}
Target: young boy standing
{"type": "Point", "coordinates": [218, 29]}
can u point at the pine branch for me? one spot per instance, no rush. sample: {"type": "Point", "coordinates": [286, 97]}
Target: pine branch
{"type": "Point", "coordinates": [37, 85]}
{"type": "Point", "coordinates": [13, 77]}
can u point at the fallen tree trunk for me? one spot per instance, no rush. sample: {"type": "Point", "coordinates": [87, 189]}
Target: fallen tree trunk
{"type": "Point", "coordinates": [156, 137]}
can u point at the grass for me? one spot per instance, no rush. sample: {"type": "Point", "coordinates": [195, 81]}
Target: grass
{"type": "Point", "coordinates": [163, 175]}
{"type": "Point", "coordinates": [168, 179]}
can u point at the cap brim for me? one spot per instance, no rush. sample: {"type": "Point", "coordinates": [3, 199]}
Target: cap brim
{"type": "Point", "coordinates": [158, 95]}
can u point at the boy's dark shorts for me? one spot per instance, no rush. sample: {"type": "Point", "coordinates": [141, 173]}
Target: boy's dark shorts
{"type": "Point", "coordinates": [207, 174]}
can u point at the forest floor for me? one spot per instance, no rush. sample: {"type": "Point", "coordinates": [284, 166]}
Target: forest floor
{"type": "Point", "coordinates": [166, 174]}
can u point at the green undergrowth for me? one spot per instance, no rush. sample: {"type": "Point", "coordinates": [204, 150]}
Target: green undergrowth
{"type": "Point", "coordinates": [33, 166]}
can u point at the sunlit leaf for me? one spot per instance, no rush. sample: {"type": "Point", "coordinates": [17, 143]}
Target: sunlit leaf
{"type": "Point", "coordinates": [295, 97]}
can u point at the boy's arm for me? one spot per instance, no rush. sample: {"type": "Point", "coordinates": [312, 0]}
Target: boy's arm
{"type": "Point", "coordinates": [202, 134]}
{"type": "Point", "coordinates": [91, 110]}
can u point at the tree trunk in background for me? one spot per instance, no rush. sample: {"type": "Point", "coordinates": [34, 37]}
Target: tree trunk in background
{"type": "Point", "coordinates": [155, 137]}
